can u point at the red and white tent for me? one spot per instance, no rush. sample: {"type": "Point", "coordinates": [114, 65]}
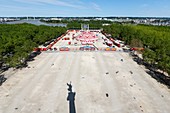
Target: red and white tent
{"type": "Point", "coordinates": [87, 37]}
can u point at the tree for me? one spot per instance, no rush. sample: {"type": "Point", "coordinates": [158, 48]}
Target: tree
{"type": "Point", "coordinates": [155, 39]}
{"type": "Point", "coordinates": [18, 40]}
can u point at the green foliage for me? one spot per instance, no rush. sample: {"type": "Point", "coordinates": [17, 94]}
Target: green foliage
{"type": "Point", "coordinates": [136, 43]}
{"type": "Point", "coordinates": [149, 56]}
{"type": "Point", "coordinates": [155, 39]}
{"type": "Point", "coordinates": [18, 40]}
{"type": "Point", "coordinates": [76, 24]}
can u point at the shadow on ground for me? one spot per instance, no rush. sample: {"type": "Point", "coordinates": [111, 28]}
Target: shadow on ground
{"type": "Point", "coordinates": [160, 77]}
{"type": "Point", "coordinates": [2, 79]}
{"type": "Point", "coordinates": [71, 99]}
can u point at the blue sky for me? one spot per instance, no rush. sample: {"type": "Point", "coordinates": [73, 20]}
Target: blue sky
{"type": "Point", "coordinates": [64, 8]}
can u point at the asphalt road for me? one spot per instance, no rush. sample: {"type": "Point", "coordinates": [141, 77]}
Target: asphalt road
{"type": "Point", "coordinates": [100, 83]}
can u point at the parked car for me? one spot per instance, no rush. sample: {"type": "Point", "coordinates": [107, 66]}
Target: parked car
{"type": "Point", "coordinates": [87, 48]}
{"type": "Point", "coordinates": [64, 49]}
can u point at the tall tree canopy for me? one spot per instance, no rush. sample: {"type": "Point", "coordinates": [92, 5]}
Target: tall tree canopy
{"type": "Point", "coordinates": [18, 40]}
{"type": "Point", "coordinates": [155, 40]}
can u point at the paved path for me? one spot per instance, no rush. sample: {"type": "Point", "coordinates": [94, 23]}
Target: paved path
{"type": "Point", "coordinates": [100, 83]}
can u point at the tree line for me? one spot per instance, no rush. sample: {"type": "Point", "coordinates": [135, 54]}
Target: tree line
{"type": "Point", "coordinates": [76, 24]}
{"type": "Point", "coordinates": [17, 41]}
{"type": "Point", "coordinates": [155, 40]}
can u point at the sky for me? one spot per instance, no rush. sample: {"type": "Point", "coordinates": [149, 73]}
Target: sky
{"type": "Point", "coordinates": [85, 8]}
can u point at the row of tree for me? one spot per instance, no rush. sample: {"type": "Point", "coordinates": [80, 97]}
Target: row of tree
{"type": "Point", "coordinates": [155, 40]}
{"type": "Point", "coordinates": [17, 41]}
{"type": "Point", "coordinates": [76, 24]}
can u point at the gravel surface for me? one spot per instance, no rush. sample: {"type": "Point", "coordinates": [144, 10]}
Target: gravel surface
{"type": "Point", "coordinates": [83, 82]}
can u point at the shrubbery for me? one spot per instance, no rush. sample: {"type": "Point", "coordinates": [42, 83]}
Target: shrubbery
{"type": "Point", "coordinates": [18, 40]}
{"type": "Point", "coordinates": [155, 40]}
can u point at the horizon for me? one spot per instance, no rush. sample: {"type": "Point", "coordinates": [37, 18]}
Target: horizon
{"type": "Point", "coordinates": [83, 17]}
{"type": "Point", "coordinates": [85, 8]}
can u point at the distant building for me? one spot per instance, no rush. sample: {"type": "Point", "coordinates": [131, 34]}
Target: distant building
{"type": "Point", "coordinates": [7, 19]}
{"type": "Point", "coordinates": [85, 19]}
{"type": "Point", "coordinates": [98, 19]}
{"type": "Point", "coordinates": [105, 24]}
{"type": "Point", "coordinates": [56, 19]}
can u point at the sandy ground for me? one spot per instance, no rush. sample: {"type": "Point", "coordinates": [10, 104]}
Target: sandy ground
{"type": "Point", "coordinates": [43, 88]}
{"type": "Point", "coordinates": [100, 83]}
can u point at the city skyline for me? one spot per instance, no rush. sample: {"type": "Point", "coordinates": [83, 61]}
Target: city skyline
{"type": "Point", "coordinates": [84, 8]}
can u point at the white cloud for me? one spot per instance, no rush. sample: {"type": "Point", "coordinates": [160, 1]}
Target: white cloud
{"type": "Point", "coordinates": [96, 6]}
{"type": "Point", "coordinates": [66, 3]}
{"type": "Point", "coordinates": [35, 2]}
{"type": "Point", "coordinates": [12, 8]}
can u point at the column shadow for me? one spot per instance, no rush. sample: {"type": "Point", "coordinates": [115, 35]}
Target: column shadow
{"type": "Point", "coordinates": [71, 99]}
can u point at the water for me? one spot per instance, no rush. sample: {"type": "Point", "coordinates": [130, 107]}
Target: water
{"type": "Point", "coordinates": [37, 22]}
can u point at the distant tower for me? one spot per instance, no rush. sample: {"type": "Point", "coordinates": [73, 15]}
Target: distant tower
{"type": "Point", "coordinates": [27, 17]}
{"type": "Point", "coordinates": [84, 26]}
{"type": "Point", "coordinates": [34, 18]}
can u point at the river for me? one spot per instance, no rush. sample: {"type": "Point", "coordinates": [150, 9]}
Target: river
{"type": "Point", "coordinates": [37, 22]}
